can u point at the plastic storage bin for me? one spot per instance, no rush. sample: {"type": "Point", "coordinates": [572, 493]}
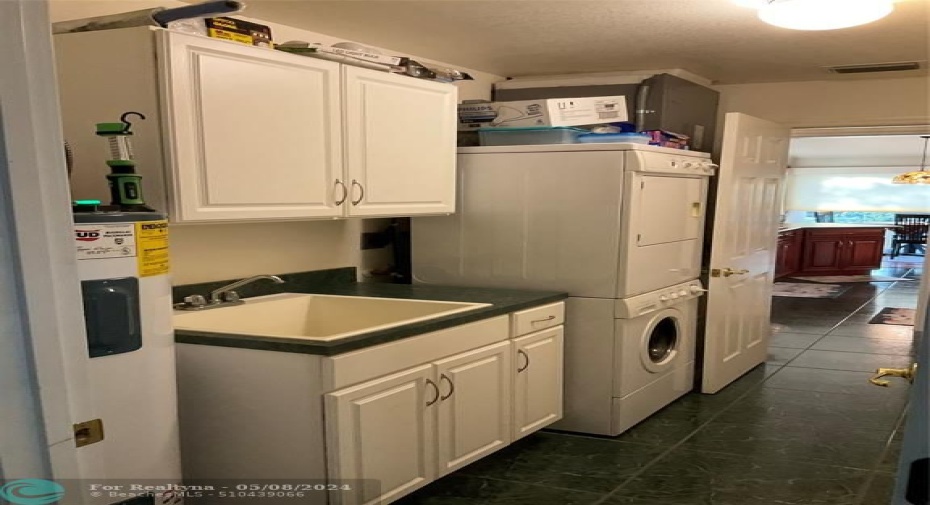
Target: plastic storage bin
{"type": "Point", "coordinates": [531, 135]}
{"type": "Point", "coordinates": [596, 138]}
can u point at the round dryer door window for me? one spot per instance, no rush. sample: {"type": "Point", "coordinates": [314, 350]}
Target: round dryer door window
{"type": "Point", "coordinates": [663, 341]}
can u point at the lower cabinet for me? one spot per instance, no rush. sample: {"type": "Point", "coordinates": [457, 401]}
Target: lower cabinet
{"type": "Point", "coordinates": [842, 251]}
{"type": "Point", "coordinates": [392, 435]}
{"type": "Point", "coordinates": [384, 429]}
{"type": "Point", "coordinates": [474, 405]}
{"type": "Point", "coordinates": [538, 381]}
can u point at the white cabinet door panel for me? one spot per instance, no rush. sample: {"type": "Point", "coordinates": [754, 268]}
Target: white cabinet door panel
{"type": "Point", "coordinates": [474, 408]}
{"type": "Point", "coordinates": [252, 133]}
{"type": "Point", "coordinates": [537, 393]}
{"type": "Point", "coordinates": [400, 144]}
{"type": "Point", "coordinates": [382, 431]}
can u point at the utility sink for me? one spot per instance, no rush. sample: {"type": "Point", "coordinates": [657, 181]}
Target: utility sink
{"type": "Point", "coordinates": [316, 317]}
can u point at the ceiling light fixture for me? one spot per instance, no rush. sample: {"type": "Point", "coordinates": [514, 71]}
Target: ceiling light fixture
{"type": "Point", "coordinates": [819, 14]}
{"type": "Point", "coordinates": [921, 176]}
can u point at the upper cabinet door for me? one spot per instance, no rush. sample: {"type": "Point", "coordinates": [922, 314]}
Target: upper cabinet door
{"type": "Point", "coordinates": [252, 133]}
{"type": "Point", "coordinates": [400, 144]}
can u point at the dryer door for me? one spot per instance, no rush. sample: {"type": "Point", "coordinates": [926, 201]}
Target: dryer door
{"type": "Point", "coordinates": [663, 232]}
{"type": "Point", "coordinates": [666, 209]}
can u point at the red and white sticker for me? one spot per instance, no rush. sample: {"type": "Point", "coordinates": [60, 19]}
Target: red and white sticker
{"type": "Point", "coordinates": [98, 241]}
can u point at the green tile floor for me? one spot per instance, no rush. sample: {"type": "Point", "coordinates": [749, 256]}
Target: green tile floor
{"type": "Point", "coordinates": [806, 428]}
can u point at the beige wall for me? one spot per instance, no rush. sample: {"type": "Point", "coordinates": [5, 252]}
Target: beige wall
{"type": "Point", "coordinates": [872, 102]}
{"type": "Point", "coordinates": [214, 252]}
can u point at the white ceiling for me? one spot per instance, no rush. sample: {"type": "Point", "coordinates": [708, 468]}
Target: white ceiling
{"type": "Point", "coordinates": [713, 38]}
{"type": "Point", "coordinates": [867, 151]}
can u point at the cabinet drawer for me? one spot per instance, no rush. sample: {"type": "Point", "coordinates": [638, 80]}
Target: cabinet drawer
{"type": "Point", "coordinates": [537, 318]}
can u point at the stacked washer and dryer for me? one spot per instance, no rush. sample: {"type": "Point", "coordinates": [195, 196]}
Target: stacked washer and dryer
{"type": "Point", "coordinates": [617, 226]}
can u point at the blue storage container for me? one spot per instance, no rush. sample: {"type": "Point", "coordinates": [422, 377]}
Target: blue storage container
{"type": "Point", "coordinates": [530, 135]}
{"type": "Point", "coordinates": [597, 138]}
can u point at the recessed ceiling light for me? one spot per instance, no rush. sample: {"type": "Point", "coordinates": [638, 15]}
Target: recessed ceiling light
{"type": "Point", "coordinates": [753, 4]}
{"type": "Point", "coordinates": [823, 14]}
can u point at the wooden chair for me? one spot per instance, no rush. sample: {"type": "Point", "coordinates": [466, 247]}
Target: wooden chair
{"type": "Point", "coordinates": [910, 230]}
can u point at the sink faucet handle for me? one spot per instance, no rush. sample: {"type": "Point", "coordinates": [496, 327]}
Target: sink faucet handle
{"type": "Point", "coordinates": [229, 296]}
{"type": "Point", "coordinates": [195, 300]}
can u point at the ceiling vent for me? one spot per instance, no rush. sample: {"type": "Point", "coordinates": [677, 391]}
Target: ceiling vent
{"type": "Point", "coordinates": [876, 67]}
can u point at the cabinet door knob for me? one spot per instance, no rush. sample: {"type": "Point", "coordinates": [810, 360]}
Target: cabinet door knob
{"type": "Point", "coordinates": [446, 396]}
{"type": "Point", "coordinates": [526, 359]}
{"type": "Point", "coordinates": [435, 388]}
{"type": "Point", "coordinates": [361, 192]}
{"type": "Point", "coordinates": [345, 192]}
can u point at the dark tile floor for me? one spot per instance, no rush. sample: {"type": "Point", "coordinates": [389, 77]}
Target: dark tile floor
{"type": "Point", "coordinates": [806, 428]}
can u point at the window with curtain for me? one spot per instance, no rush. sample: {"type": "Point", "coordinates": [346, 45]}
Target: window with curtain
{"type": "Point", "coordinates": [854, 189]}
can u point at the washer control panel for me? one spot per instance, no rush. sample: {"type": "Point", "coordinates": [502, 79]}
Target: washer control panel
{"type": "Point", "coordinates": [639, 305]}
{"type": "Point", "coordinates": [687, 163]}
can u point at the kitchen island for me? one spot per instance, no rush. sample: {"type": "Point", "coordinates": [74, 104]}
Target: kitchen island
{"type": "Point", "coordinates": [812, 249]}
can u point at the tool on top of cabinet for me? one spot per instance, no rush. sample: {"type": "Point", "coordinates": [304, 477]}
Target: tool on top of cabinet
{"type": "Point", "coordinates": [158, 17]}
{"type": "Point", "coordinates": [125, 183]}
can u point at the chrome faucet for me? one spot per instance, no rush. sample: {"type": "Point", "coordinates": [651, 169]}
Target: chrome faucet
{"type": "Point", "coordinates": [223, 296]}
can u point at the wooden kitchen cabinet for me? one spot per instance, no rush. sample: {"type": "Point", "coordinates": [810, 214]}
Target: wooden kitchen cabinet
{"type": "Point", "coordinates": [841, 251]}
{"type": "Point", "coordinates": [789, 249]}
{"type": "Point", "coordinates": [241, 133]}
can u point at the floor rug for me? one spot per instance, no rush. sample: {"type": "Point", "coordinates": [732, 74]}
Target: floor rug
{"type": "Point", "coordinates": [830, 279]}
{"type": "Point", "coordinates": [807, 290]}
{"type": "Point", "coordinates": [891, 315]}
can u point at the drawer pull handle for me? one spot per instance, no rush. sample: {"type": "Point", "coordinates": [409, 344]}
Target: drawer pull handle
{"type": "Point", "coordinates": [526, 359]}
{"type": "Point", "coordinates": [435, 391]}
{"type": "Point", "coordinates": [550, 318]}
{"type": "Point", "coordinates": [446, 396]}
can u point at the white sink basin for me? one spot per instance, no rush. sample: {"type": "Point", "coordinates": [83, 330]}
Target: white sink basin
{"type": "Point", "coordinates": [316, 317]}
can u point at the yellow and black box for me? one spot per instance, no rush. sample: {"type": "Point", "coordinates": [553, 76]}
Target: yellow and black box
{"type": "Point", "coordinates": [238, 30]}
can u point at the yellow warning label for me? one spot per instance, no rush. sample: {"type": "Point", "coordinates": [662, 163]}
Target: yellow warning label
{"type": "Point", "coordinates": [152, 248]}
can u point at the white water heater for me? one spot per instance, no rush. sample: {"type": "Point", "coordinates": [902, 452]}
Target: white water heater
{"type": "Point", "coordinates": [124, 272]}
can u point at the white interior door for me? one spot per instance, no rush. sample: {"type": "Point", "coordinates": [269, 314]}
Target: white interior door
{"type": "Point", "coordinates": [742, 260]}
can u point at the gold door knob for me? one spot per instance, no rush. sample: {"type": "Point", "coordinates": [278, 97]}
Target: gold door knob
{"type": "Point", "coordinates": [727, 272]}
{"type": "Point", "coordinates": [905, 373]}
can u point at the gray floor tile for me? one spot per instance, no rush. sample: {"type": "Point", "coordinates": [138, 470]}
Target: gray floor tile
{"type": "Point", "coordinates": [901, 347]}
{"type": "Point", "coordinates": [852, 361]}
{"type": "Point", "coordinates": [692, 477]}
{"type": "Point", "coordinates": [458, 489]}
{"type": "Point", "coordinates": [566, 461]}
{"type": "Point", "coordinates": [822, 408]}
{"type": "Point", "coordinates": [833, 381]}
{"type": "Point", "coordinates": [793, 340]}
{"type": "Point", "coordinates": [874, 331]}
{"type": "Point", "coordinates": [792, 439]}
{"type": "Point", "coordinates": [782, 355]}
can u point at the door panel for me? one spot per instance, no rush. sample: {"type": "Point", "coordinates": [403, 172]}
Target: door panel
{"type": "Point", "coordinates": [538, 382]}
{"type": "Point", "coordinates": [745, 230]}
{"type": "Point", "coordinates": [824, 252]}
{"type": "Point", "coordinates": [667, 209]}
{"type": "Point", "coordinates": [268, 147]}
{"type": "Point", "coordinates": [400, 144]}
{"type": "Point", "coordinates": [475, 406]}
{"type": "Point", "coordinates": [864, 251]}
{"type": "Point", "coordinates": [382, 431]}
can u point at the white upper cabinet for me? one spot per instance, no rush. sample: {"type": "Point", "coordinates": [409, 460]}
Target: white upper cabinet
{"type": "Point", "coordinates": [253, 133]}
{"type": "Point", "coordinates": [400, 144]}
{"type": "Point", "coordinates": [241, 133]}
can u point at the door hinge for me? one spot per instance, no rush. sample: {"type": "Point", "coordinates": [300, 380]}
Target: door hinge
{"type": "Point", "coordinates": [642, 184]}
{"type": "Point", "coordinates": [639, 238]}
{"type": "Point", "coordinates": [88, 432]}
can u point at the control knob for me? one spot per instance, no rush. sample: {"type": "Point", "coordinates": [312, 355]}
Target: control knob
{"type": "Point", "coordinates": [683, 293]}
{"type": "Point", "coordinates": [663, 298]}
{"type": "Point", "coordinates": [673, 296]}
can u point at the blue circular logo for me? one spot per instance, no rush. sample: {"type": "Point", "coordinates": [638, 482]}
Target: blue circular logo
{"type": "Point", "coordinates": [32, 492]}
